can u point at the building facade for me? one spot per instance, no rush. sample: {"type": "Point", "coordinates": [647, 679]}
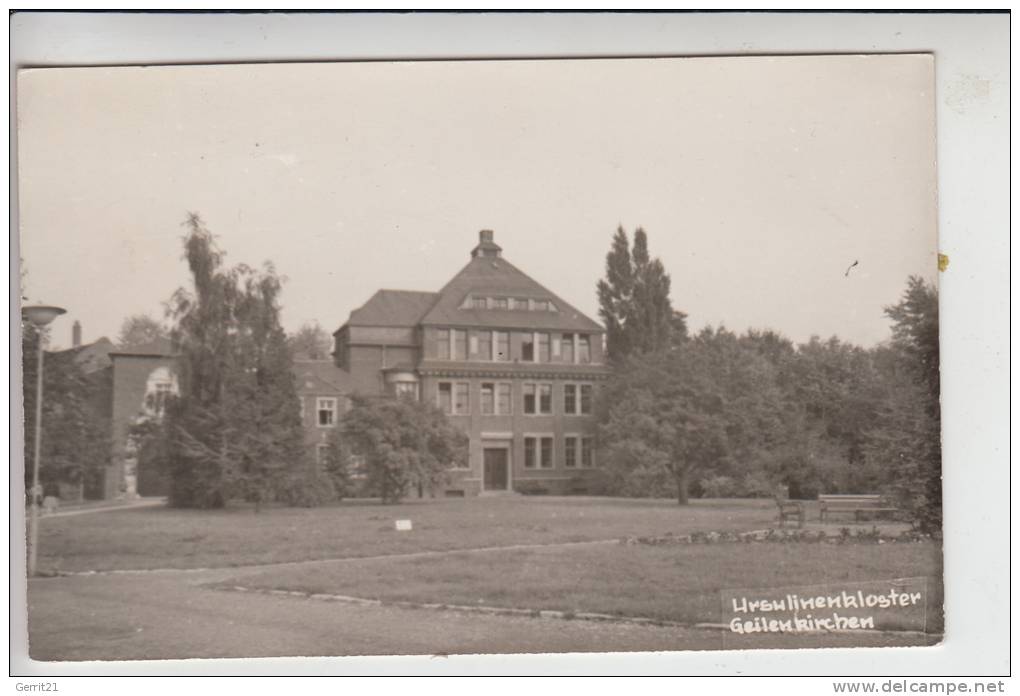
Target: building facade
{"type": "Point", "coordinates": [126, 386]}
{"type": "Point", "coordinates": [131, 386]}
{"type": "Point", "coordinates": [322, 390]}
{"type": "Point", "coordinates": [142, 379]}
{"type": "Point", "coordinates": [512, 364]}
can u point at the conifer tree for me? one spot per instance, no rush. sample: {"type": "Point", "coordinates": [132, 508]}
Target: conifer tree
{"type": "Point", "coordinates": [615, 295]}
{"type": "Point", "coordinates": [634, 300]}
{"type": "Point", "coordinates": [908, 438]}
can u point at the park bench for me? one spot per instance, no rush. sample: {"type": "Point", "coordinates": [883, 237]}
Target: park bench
{"type": "Point", "coordinates": [860, 506]}
{"type": "Point", "coordinates": [790, 510]}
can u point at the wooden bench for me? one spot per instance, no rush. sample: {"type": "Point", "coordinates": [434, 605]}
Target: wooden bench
{"type": "Point", "coordinates": [860, 505]}
{"type": "Point", "coordinates": [790, 509]}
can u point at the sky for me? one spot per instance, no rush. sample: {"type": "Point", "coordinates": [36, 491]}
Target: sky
{"type": "Point", "coordinates": [759, 180]}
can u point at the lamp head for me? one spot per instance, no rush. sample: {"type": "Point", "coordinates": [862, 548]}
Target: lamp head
{"type": "Point", "coordinates": [41, 315]}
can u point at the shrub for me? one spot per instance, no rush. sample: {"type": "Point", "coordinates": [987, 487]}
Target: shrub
{"type": "Point", "coordinates": [719, 487]}
{"type": "Point", "coordinates": [307, 489]}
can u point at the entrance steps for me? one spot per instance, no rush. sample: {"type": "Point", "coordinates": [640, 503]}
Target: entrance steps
{"type": "Point", "coordinates": [497, 494]}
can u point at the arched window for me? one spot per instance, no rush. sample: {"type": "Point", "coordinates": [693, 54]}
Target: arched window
{"type": "Point", "coordinates": [161, 384]}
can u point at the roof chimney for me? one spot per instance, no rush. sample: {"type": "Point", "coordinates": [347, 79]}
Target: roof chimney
{"type": "Point", "coordinates": [76, 334]}
{"type": "Point", "coordinates": [487, 247]}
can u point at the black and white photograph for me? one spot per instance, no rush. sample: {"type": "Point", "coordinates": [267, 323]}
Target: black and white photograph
{"type": "Point", "coordinates": [461, 357]}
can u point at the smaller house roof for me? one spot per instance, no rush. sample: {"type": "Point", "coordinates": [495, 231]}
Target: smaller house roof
{"type": "Point", "coordinates": [321, 377]}
{"type": "Point", "coordinates": [91, 357]}
{"type": "Point", "coordinates": [393, 308]}
{"type": "Point", "coordinates": [158, 347]}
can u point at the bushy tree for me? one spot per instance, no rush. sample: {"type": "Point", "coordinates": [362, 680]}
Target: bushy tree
{"type": "Point", "coordinates": [310, 342]}
{"type": "Point", "coordinates": [140, 330]}
{"type": "Point", "coordinates": [634, 300]}
{"type": "Point", "coordinates": [400, 444]}
{"type": "Point", "coordinates": [234, 431]}
{"type": "Point", "coordinates": [705, 409]}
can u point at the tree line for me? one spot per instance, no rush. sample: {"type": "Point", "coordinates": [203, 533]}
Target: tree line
{"type": "Point", "coordinates": [718, 414]}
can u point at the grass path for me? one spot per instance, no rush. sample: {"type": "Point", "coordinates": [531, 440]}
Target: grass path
{"type": "Point", "coordinates": [160, 537]}
{"type": "Point", "coordinates": [234, 570]}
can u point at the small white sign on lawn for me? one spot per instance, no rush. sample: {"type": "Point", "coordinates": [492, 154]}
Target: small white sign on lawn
{"type": "Point", "coordinates": [403, 525]}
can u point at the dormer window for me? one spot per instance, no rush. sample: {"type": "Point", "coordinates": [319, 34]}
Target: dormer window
{"type": "Point", "coordinates": [507, 303]}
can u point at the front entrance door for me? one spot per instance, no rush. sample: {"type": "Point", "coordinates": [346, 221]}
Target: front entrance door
{"type": "Point", "coordinates": [495, 474]}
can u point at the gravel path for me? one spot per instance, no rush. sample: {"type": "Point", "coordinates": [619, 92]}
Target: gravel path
{"type": "Point", "coordinates": [131, 617]}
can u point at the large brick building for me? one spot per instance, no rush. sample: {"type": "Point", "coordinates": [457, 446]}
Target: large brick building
{"type": "Point", "coordinates": [511, 363]}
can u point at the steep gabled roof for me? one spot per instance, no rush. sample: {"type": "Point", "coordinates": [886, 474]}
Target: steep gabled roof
{"type": "Point", "coordinates": [497, 277]}
{"type": "Point", "coordinates": [393, 308]}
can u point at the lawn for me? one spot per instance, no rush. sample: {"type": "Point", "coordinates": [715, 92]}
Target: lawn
{"type": "Point", "coordinates": [674, 583]}
{"type": "Point", "coordinates": [169, 538]}
{"type": "Point", "coordinates": [681, 582]}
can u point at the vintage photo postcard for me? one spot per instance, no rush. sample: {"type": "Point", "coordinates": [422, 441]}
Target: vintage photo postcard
{"type": "Point", "coordinates": [468, 357]}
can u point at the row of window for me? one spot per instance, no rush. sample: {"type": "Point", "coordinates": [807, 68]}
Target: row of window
{"type": "Point", "coordinates": [495, 346]}
{"type": "Point", "coordinates": [496, 398]}
{"type": "Point", "coordinates": [508, 303]}
{"type": "Point", "coordinates": [578, 452]}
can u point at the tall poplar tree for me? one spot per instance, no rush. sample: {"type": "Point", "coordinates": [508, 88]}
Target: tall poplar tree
{"type": "Point", "coordinates": [634, 300]}
{"type": "Point", "coordinates": [616, 293]}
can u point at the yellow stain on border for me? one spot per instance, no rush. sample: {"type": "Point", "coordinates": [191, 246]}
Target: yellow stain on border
{"type": "Point", "coordinates": [943, 262]}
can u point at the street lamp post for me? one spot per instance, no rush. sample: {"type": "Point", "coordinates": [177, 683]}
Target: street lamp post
{"type": "Point", "coordinates": [39, 316]}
